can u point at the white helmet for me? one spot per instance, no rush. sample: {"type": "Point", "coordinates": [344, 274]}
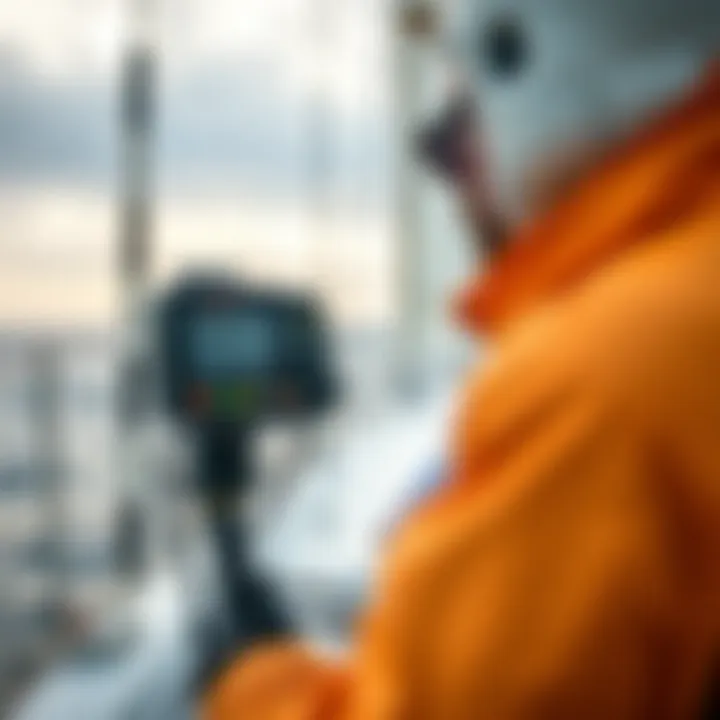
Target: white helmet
{"type": "Point", "coordinates": [553, 74]}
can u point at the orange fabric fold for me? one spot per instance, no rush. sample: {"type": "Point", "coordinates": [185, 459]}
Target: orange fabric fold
{"type": "Point", "coordinates": [653, 178]}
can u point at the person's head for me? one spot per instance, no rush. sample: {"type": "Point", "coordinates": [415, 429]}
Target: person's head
{"type": "Point", "coordinates": [551, 85]}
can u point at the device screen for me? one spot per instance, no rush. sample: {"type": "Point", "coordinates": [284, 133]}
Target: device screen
{"type": "Point", "coordinates": [230, 344]}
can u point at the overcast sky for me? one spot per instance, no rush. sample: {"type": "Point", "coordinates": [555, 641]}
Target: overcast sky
{"type": "Point", "coordinates": [245, 90]}
{"type": "Point", "coordinates": [266, 100]}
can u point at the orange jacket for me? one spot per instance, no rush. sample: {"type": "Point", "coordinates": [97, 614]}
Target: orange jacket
{"type": "Point", "coordinates": [571, 567]}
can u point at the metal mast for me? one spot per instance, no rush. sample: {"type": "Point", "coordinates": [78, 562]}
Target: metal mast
{"type": "Point", "coordinates": [134, 262]}
{"type": "Point", "coordinates": [137, 124]}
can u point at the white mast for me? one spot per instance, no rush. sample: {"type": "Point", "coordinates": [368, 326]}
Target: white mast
{"type": "Point", "coordinates": [413, 21]}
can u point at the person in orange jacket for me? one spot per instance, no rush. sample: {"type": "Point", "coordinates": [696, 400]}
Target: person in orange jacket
{"type": "Point", "coordinates": [570, 565]}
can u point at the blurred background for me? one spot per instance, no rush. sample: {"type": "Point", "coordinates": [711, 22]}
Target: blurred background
{"type": "Point", "coordinates": [269, 138]}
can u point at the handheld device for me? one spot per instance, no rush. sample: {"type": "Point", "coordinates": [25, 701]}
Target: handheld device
{"type": "Point", "coordinates": [233, 356]}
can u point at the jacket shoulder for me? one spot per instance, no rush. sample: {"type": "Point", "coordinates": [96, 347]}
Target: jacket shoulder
{"type": "Point", "coordinates": [649, 320]}
{"type": "Point", "coordinates": [631, 337]}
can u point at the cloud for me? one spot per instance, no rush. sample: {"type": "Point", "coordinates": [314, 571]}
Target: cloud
{"type": "Point", "coordinates": [223, 124]}
{"type": "Point", "coordinates": [52, 132]}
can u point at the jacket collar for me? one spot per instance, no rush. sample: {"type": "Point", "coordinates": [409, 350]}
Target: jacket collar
{"type": "Point", "coordinates": [658, 176]}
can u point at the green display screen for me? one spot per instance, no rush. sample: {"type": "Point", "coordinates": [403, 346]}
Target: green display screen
{"type": "Point", "coordinates": [232, 344]}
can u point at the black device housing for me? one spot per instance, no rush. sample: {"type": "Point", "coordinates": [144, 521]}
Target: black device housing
{"type": "Point", "coordinates": [233, 356]}
{"type": "Point", "coordinates": [294, 380]}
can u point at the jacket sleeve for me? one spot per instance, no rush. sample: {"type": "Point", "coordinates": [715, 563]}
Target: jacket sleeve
{"type": "Point", "coordinates": [526, 588]}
